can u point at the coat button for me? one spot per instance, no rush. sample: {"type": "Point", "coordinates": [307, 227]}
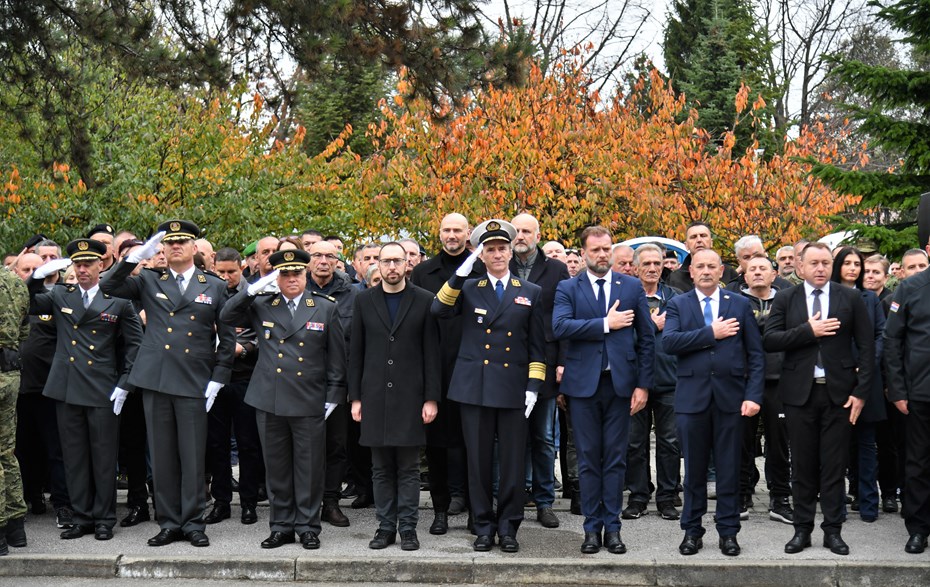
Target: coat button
{"type": "Point", "coordinates": [170, 330]}
{"type": "Point", "coordinates": [72, 359]}
{"type": "Point", "coordinates": [485, 361]}
{"type": "Point", "coordinates": [390, 361]}
{"type": "Point", "coordinates": [281, 341]}
{"type": "Point", "coordinates": [510, 334]}
{"type": "Point", "coordinates": [487, 346]}
{"type": "Point", "coordinates": [75, 326]}
{"type": "Point", "coordinates": [167, 347]}
{"type": "Point", "coordinates": [280, 355]}
{"type": "Point", "coordinates": [298, 344]}
{"type": "Point", "coordinates": [392, 339]}
{"type": "Point", "coordinates": [506, 365]}
{"type": "Point", "coordinates": [171, 313]}
{"type": "Point", "coordinates": [279, 369]}
{"type": "Point", "coordinates": [190, 334]}
{"type": "Point", "coordinates": [73, 342]}
{"type": "Point", "coordinates": [488, 331]}
{"type": "Point", "coordinates": [300, 359]}
{"type": "Point", "coordinates": [91, 347]}
{"type": "Point", "coordinates": [390, 385]}
{"type": "Point", "coordinates": [507, 349]}
{"type": "Point", "coordinates": [90, 362]}
{"type": "Point", "coordinates": [187, 350]}
{"type": "Point", "coordinates": [299, 373]}
{"type": "Point", "coordinates": [193, 317]}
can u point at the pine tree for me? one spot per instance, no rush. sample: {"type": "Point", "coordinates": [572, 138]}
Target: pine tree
{"type": "Point", "coordinates": [897, 120]}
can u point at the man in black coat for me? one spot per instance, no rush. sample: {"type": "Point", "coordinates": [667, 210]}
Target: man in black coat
{"type": "Point", "coordinates": [698, 236]}
{"type": "Point", "coordinates": [394, 390]}
{"type": "Point", "coordinates": [822, 388]}
{"type": "Point", "coordinates": [530, 264]}
{"type": "Point", "coordinates": [444, 452]}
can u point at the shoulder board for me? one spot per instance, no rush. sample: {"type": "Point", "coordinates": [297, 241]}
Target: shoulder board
{"type": "Point", "coordinates": [106, 296]}
{"type": "Point", "coordinates": [70, 287]}
{"type": "Point", "coordinates": [211, 274]}
{"type": "Point", "coordinates": [515, 282]}
{"type": "Point", "coordinates": [163, 270]}
{"type": "Point", "coordinates": [483, 283]}
{"type": "Point", "coordinates": [324, 296]}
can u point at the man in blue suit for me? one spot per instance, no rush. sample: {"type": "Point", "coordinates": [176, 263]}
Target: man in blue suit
{"type": "Point", "coordinates": [605, 319]}
{"type": "Point", "coordinates": [721, 373]}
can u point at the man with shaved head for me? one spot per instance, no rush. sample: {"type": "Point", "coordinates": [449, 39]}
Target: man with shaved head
{"type": "Point", "coordinates": [444, 442]}
{"type": "Point", "coordinates": [205, 248]}
{"type": "Point", "coordinates": [621, 260]}
{"type": "Point", "coordinates": [263, 249]}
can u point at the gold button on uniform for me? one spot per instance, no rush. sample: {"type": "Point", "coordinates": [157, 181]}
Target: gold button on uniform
{"type": "Point", "coordinates": [91, 347]}
{"type": "Point", "coordinates": [73, 342]}
{"type": "Point", "coordinates": [171, 313]}
{"type": "Point", "coordinates": [300, 359]}
{"type": "Point", "coordinates": [485, 361]}
{"type": "Point", "coordinates": [488, 331]}
{"type": "Point", "coordinates": [170, 330]}
{"type": "Point", "coordinates": [167, 346]}
{"type": "Point", "coordinates": [280, 355]}
{"type": "Point", "coordinates": [506, 365]}
{"type": "Point", "coordinates": [487, 346]}
{"type": "Point", "coordinates": [507, 349]}
{"type": "Point", "coordinates": [510, 334]}
{"type": "Point", "coordinates": [72, 359]}
{"type": "Point", "coordinates": [279, 369]}
{"type": "Point", "coordinates": [90, 362]}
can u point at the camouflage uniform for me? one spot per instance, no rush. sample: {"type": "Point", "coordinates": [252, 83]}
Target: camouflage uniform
{"type": "Point", "coordinates": [14, 302]}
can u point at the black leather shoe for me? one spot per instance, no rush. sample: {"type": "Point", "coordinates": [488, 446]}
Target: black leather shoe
{"type": "Point", "coordinates": [333, 515]}
{"type": "Point", "coordinates": [249, 515]}
{"type": "Point", "coordinates": [382, 539]}
{"type": "Point", "coordinates": [575, 505]}
{"type": "Point", "coordinates": [198, 538]}
{"type": "Point", "coordinates": [219, 513]}
{"type": "Point", "coordinates": [277, 539]}
{"type": "Point", "coordinates": [16, 532]}
{"type": "Point", "coordinates": [509, 544]}
{"type": "Point", "coordinates": [889, 505]}
{"type": "Point", "coordinates": [166, 536]}
{"type": "Point", "coordinates": [137, 514]}
{"type": "Point", "coordinates": [729, 546]}
{"type": "Point", "coordinates": [483, 543]}
{"type": "Point", "coordinates": [547, 518]}
{"type": "Point", "coordinates": [409, 540]}
{"type": "Point", "coordinates": [310, 540]}
{"type": "Point", "coordinates": [836, 544]}
{"type": "Point", "coordinates": [798, 542]}
{"type": "Point", "coordinates": [613, 543]}
{"type": "Point", "coordinates": [592, 543]}
{"type": "Point", "coordinates": [76, 531]}
{"type": "Point", "coordinates": [362, 501]}
{"type": "Point", "coordinates": [916, 544]}
{"type": "Point", "coordinates": [102, 532]}
{"type": "Point", "coordinates": [440, 524]}
{"type": "Point", "coordinates": [690, 545]}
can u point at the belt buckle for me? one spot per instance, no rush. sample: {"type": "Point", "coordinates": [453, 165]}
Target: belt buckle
{"type": "Point", "coordinates": [820, 380]}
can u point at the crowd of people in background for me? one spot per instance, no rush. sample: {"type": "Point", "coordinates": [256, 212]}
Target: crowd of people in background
{"type": "Point", "coordinates": [157, 364]}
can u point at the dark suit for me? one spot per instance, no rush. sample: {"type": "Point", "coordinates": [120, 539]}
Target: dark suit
{"type": "Point", "coordinates": [301, 367]}
{"type": "Point", "coordinates": [715, 377]}
{"type": "Point", "coordinates": [500, 358]}
{"type": "Point", "coordinates": [600, 400]}
{"type": "Point", "coordinates": [96, 349]}
{"type": "Point", "coordinates": [818, 425]}
{"type": "Point", "coordinates": [178, 357]}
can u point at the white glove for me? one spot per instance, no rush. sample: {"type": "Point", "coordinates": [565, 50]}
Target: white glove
{"type": "Point", "coordinates": [50, 268]}
{"type": "Point", "coordinates": [263, 283]}
{"type": "Point", "coordinates": [148, 250]}
{"type": "Point", "coordinates": [530, 402]}
{"type": "Point", "coordinates": [213, 388]}
{"type": "Point", "coordinates": [329, 409]}
{"type": "Point", "coordinates": [118, 397]}
{"type": "Point", "coordinates": [465, 268]}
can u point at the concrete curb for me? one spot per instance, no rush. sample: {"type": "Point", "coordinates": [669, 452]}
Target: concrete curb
{"type": "Point", "coordinates": [51, 565]}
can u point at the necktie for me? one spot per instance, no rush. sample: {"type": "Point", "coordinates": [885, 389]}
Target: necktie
{"type": "Point", "coordinates": [499, 290]}
{"type": "Point", "coordinates": [602, 304]}
{"type": "Point", "coordinates": [85, 299]}
{"type": "Point", "coordinates": [292, 307]}
{"type": "Point", "coordinates": [708, 314]}
{"type": "Point", "coordinates": [818, 308]}
{"type": "Point", "coordinates": [181, 282]}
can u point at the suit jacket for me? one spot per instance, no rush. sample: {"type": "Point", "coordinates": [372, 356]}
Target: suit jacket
{"type": "Point", "coordinates": [730, 370]}
{"type": "Point", "coordinates": [503, 342]}
{"type": "Point", "coordinates": [179, 353]}
{"type": "Point", "coordinates": [396, 366]}
{"type": "Point", "coordinates": [301, 358]}
{"type": "Point", "coordinates": [96, 346]}
{"type": "Point", "coordinates": [577, 319]}
{"type": "Point", "coordinates": [787, 330]}
{"type": "Point", "coordinates": [547, 273]}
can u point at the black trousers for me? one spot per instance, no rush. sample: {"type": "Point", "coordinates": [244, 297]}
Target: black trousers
{"type": "Point", "coordinates": [777, 465]}
{"type": "Point", "coordinates": [132, 450]}
{"type": "Point", "coordinates": [337, 459]}
{"type": "Point", "coordinates": [230, 411]}
{"type": "Point", "coordinates": [916, 506]}
{"type": "Point", "coordinates": [890, 437]}
{"type": "Point", "coordinates": [38, 449]}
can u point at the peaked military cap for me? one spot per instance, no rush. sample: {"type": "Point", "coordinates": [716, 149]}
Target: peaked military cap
{"type": "Point", "coordinates": [179, 230]}
{"type": "Point", "coordinates": [493, 230]}
{"type": "Point", "coordinates": [104, 228]}
{"type": "Point", "coordinates": [86, 249]}
{"type": "Point", "coordinates": [290, 260]}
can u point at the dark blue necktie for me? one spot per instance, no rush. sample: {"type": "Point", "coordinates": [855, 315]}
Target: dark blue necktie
{"type": "Point", "coordinates": [499, 290]}
{"type": "Point", "coordinates": [708, 315]}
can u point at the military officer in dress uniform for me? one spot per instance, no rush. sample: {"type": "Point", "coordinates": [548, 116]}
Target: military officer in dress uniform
{"type": "Point", "coordinates": [186, 357]}
{"type": "Point", "coordinates": [98, 338]}
{"type": "Point", "coordinates": [299, 379]}
{"type": "Point", "coordinates": [497, 376]}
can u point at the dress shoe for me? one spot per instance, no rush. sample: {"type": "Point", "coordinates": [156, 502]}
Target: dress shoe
{"type": "Point", "coordinates": [889, 505]}
{"type": "Point", "coordinates": [916, 544]}
{"type": "Point", "coordinates": [333, 515]}
{"type": "Point", "coordinates": [457, 505]}
{"type": "Point", "coordinates": [310, 540]}
{"type": "Point", "coordinates": [440, 524]}
{"type": "Point", "coordinates": [103, 532]}
{"type": "Point", "coordinates": [509, 544]}
{"type": "Point", "coordinates": [38, 505]}
{"type": "Point", "coordinates": [382, 539]}
{"type": "Point", "coordinates": [277, 539]}
{"type": "Point", "coordinates": [363, 501]}
{"type": "Point", "coordinates": [166, 536]}
{"type": "Point", "coordinates": [137, 514]}
{"type": "Point", "coordinates": [547, 518]}
{"type": "Point", "coordinates": [76, 531]}
{"type": "Point", "coordinates": [592, 543]}
{"type": "Point", "coordinates": [249, 516]}
{"type": "Point", "coordinates": [798, 542]}
{"type": "Point", "coordinates": [4, 548]}
{"type": "Point", "coordinates": [728, 545]}
{"type": "Point", "coordinates": [690, 545]}
{"type": "Point", "coordinates": [350, 491]}
{"type": "Point", "coordinates": [16, 532]}
{"type": "Point", "coordinates": [575, 505]}
{"type": "Point", "coordinates": [613, 543]}
{"type": "Point", "coordinates": [219, 513]}
{"type": "Point", "coordinates": [409, 540]}
{"type": "Point", "coordinates": [836, 544]}
{"type": "Point", "coordinates": [633, 511]}
{"type": "Point", "coordinates": [197, 538]}
{"type": "Point", "coordinates": [483, 543]}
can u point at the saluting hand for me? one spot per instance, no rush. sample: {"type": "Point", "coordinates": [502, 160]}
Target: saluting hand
{"type": "Point", "coordinates": [50, 268]}
{"type": "Point", "coordinates": [465, 268]}
{"type": "Point", "coordinates": [263, 284]}
{"type": "Point", "coordinates": [148, 250]}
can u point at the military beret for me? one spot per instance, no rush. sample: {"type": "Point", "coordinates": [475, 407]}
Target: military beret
{"type": "Point", "coordinates": [250, 249]}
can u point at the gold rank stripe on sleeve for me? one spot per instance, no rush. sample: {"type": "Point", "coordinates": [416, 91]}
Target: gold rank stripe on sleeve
{"type": "Point", "coordinates": [447, 295]}
{"type": "Point", "coordinates": [538, 370]}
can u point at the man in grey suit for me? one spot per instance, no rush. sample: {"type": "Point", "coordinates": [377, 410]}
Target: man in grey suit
{"type": "Point", "coordinates": [186, 356]}
{"type": "Point", "coordinates": [298, 380]}
{"type": "Point", "coordinates": [98, 338]}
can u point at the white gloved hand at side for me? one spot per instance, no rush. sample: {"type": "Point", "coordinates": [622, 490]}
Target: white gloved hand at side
{"type": "Point", "coordinates": [530, 402]}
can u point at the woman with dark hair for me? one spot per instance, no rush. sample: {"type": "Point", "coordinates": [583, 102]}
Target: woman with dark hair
{"type": "Point", "coordinates": [848, 266]}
